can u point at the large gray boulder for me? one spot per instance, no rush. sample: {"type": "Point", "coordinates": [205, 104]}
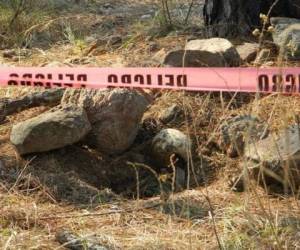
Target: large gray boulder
{"type": "Point", "coordinates": [115, 116]}
{"type": "Point", "coordinates": [220, 47]}
{"type": "Point", "coordinates": [278, 156]}
{"type": "Point", "coordinates": [51, 130]}
{"type": "Point", "coordinates": [238, 131]}
{"type": "Point", "coordinates": [287, 36]}
{"type": "Point", "coordinates": [214, 52]}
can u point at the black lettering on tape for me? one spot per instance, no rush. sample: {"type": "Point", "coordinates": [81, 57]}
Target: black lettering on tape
{"type": "Point", "coordinates": [25, 83]}
{"type": "Point", "coordinates": [182, 81]}
{"type": "Point", "coordinates": [291, 86]}
{"type": "Point", "coordinates": [27, 76]}
{"type": "Point", "coordinates": [82, 78]}
{"type": "Point", "coordinates": [171, 81]}
{"type": "Point", "coordinates": [57, 84]}
{"type": "Point", "coordinates": [139, 79]}
{"type": "Point", "coordinates": [263, 83]}
{"type": "Point", "coordinates": [39, 76]}
{"type": "Point", "coordinates": [12, 83]}
{"type": "Point", "coordinates": [126, 79]}
{"type": "Point", "coordinates": [160, 80]}
{"type": "Point", "coordinates": [113, 79]}
{"type": "Point", "coordinates": [38, 84]}
{"type": "Point", "coordinates": [149, 80]}
{"type": "Point", "coordinates": [48, 85]}
{"type": "Point", "coordinates": [277, 83]}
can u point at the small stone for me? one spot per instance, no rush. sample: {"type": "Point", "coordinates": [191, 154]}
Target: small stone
{"type": "Point", "coordinates": [71, 241]}
{"type": "Point", "coordinates": [170, 114]}
{"type": "Point", "coordinates": [248, 51]}
{"type": "Point", "coordinates": [146, 17]}
{"type": "Point", "coordinates": [9, 53]}
{"type": "Point", "coordinates": [16, 53]}
{"type": "Point", "coordinates": [168, 142]}
{"type": "Point", "coordinates": [55, 64]}
{"type": "Point", "coordinates": [77, 61]}
{"type": "Point", "coordinates": [262, 57]}
{"type": "Point", "coordinates": [268, 64]}
{"type": "Point", "coordinates": [159, 56]}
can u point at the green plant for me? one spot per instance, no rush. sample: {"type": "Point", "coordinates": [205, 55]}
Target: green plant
{"type": "Point", "coordinates": [74, 39]}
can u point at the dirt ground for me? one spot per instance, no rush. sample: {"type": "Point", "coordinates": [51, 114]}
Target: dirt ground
{"type": "Point", "coordinates": [88, 193]}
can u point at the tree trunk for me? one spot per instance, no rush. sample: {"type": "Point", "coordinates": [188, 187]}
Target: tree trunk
{"type": "Point", "coordinates": [227, 18]}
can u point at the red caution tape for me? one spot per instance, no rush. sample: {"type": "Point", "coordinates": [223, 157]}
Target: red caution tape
{"type": "Point", "coordinates": [285, 80]}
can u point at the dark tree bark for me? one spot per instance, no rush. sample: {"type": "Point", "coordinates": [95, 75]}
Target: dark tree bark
{"type": "Point", "coordinates": [239, 17]}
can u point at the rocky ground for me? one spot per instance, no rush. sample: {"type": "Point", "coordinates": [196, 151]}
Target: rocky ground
{"type": "Point", "coordinates": [169, 170]}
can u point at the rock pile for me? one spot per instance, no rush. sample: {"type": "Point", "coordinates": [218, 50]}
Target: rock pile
{"type": "Point", "coordinates": [108, 122]}
{"type": "Point", "coordinates": [107, 119]}
{"type": "Point", "coordinates": [114, 115]}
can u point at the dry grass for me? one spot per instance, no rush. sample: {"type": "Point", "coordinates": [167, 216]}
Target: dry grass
{"type": "Point", "coordinates": [30, 216]}
{"type": "Point", "coordinates": [251, 220]}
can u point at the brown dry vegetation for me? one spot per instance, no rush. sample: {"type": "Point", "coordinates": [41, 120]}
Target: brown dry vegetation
{"type": "Point", "coordinates": [209, 216]}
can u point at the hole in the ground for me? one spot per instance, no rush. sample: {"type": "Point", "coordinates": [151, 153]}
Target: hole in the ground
{"type": "Point", "coordinates": [80, 175]}
{"type": "Point", "coordinates": [75, 174]}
